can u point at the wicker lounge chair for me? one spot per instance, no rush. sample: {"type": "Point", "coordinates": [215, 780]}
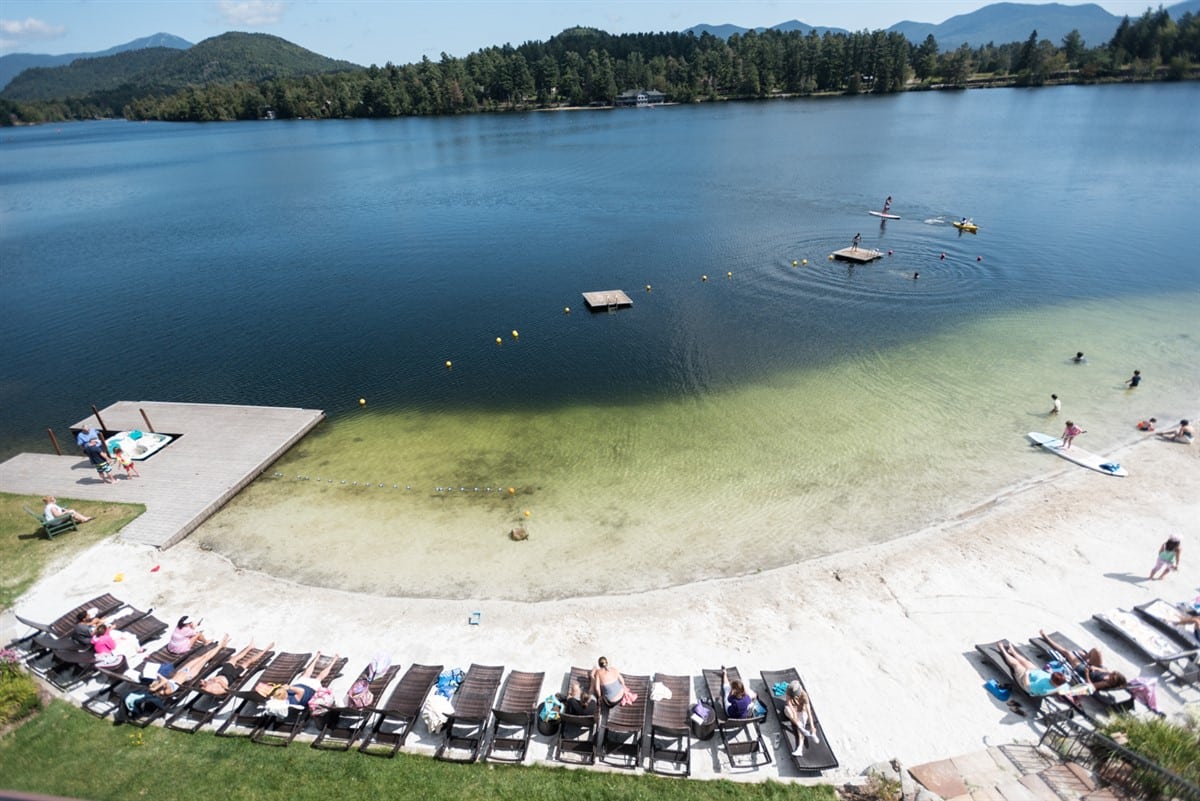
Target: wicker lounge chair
{"type": "Point", "coordinates": [64, 624]}
{"type": "Point", "coordinates": [111, 697]}
{"type": "Point", "coordinates": [740, 737]}
{"type": "Point", "coordinates": [200, 707]}
{"type": "Point", "coordinates": [577, 734]}
{"type": "Point", "coordinates": [68, 669]}
{"type": "Point", "coordinates": [513, 717]}
{"type": "Point", "coordinates": [1115, 700]}
{"type": "Point", "coordinates": [816, 756]}
{"type": "Point", "coordinates": [625, 726]}
{"type": "Point", "coordinates": [670, 729]}
{"type": "Point", "coordinates": [1170, 650]}
{"type": "Point", "coordinates": [393, 720]}
{"type": "Point", "coordinates": [249, 710]}
{"type": "Point", "coordinates": [340, 725]}
{"type": "Point", "coordinates": [280, 731]}
{"type": "Point", "coordinates": [466, 728]}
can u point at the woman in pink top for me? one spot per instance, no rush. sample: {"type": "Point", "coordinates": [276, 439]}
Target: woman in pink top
{"type": "Point", "coordinates": [185, 637]}
{"type": "Point", "coordinates": [1070, 433]}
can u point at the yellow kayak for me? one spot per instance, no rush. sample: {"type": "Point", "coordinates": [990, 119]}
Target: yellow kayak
{"type": "Point", "coordinates": [966, 225]}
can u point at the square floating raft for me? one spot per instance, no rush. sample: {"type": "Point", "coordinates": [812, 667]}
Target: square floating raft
{"type": "Point", "coordinates": [608, 299]}
{"type": "Point", "coordinates": [857, 255]}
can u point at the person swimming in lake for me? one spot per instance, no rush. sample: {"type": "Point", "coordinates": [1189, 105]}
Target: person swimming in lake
{"type": "Point", "coordinates": [1057, 404]}
{"type": "Point", "coordinates": [1147, 425]}
{"type": "Point", "coordinates": [1078, 357]}
{"type": "Point", "coordinates": [1135, 379]}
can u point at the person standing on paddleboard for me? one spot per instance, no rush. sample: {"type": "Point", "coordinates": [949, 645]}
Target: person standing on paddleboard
{"type": "Point", "coordinates": [1070, 433]}
{"type": "Point", "coordinates": [887, 204]}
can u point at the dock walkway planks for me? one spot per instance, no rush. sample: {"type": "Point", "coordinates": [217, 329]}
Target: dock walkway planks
{"type": "Point", "coordinates": [219, 450]}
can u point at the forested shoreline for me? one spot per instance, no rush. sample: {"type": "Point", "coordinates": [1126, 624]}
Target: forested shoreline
{"type": "Point", "coordinates": [587, 67]}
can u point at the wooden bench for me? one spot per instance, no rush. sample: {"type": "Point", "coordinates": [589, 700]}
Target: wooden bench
{"type": "Point", "coordinates": [55, 526]}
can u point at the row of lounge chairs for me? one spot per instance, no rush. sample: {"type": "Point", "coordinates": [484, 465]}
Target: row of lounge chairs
{"type": "Point", "coordinates": [1150, 628]}
{"type": "Point", "coordinates": [492, 718]}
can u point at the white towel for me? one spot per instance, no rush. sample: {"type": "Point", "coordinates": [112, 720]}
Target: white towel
{"type": "Point", "coordinates": [660, 692]}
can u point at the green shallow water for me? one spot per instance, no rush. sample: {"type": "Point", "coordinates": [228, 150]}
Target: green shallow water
{"type": "Point", "coordinates": [632, 497]}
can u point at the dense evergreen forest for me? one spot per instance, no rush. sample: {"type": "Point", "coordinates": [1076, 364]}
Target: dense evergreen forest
{"type": "Point", "coordinates": [584, 66]}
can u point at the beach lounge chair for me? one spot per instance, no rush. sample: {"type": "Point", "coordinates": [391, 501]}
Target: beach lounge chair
{"type": "Point", "coordinates": [392, 721]}
{"type": "Point", "coordinates": [69, 668]}
{"type": "Point", "coordinates": [64, 624]}
{"type": "Point", "coordinates": [1165, 617]}
{"type": "Point", "coordinates": [1168, 651]}
{"type": "Point", "coordinates": [740, 737]}
{"type": "Point", "coordinates": [625, 726]}
{"type": "Point", "coordinates": [340, 725]}
{"type": "Point", "coordinates": [52, 528]}
{"type": "Point", "coordinates": [513, 717]}
{"type": "Point", "coordinates": [577, 733]}
{"type": "Point", "coordinates": [280, 731]}
{"type": "Point", "coordinates": [199, 707]}
{"type": "Point", "coordinates": [670, 729]}
{"type": "Point", "coordinates": [112, 697]}
{"type": "Point", "coordinates": [1117, 700]}
{"type": "Point", "coordinates": [816, 756]}
{"type": "Point", "coordinates": [466, 728]}
{"type": "Point", "coordinates": [249, 710]}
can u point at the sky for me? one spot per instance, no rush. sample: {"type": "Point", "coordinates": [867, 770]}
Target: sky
{"type": "Point", "coordinates": [369, 32]}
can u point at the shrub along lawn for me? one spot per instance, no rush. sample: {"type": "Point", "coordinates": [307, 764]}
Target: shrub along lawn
{"type": "Point", "coordinates": [65, 751]}
{"type": "Point", "coordinates": [25, 555]}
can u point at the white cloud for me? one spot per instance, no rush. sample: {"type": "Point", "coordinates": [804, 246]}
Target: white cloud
{"type": "Point", "coordinates": [13, 32]}
{"type": "Point", "coordinates": [251, 12]}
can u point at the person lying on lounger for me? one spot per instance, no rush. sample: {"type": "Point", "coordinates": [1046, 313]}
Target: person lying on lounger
{"type": "Point", "coordinates": [232, 670]}
{"type": "Point", "coordinates": [304, 689]}
{"type": "Point", "coordinates": [1033, 680]}
{"type": "Point", "coordinates": [167, 685]}
{"type": "Point", "coordinates": [799, 712]}
{"type": "Point", "coordinates": [1194, 621]}
{"type": "Point", "coordinates": [608, 683]}
{"type": "Point", "coordinates": [1089, 665]}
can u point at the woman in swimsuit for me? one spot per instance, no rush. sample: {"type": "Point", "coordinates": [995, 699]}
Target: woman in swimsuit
{"type": "Point", "coordinates": [233, 670]}
{"type": "Point", "coordinates": [798, 710]}
{"type": "Point", "coordinates": [1089, 665]}
{"type": "Point", "coordinates": [167, 685]}
{"type": "Point", "coordinates": [1033, 680]}
{"type": "Point", "coordinates": [608, 683]}
{"type": "Point", "coordinates": [304, 689]}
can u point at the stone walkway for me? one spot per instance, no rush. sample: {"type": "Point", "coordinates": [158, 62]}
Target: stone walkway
{"type": "Point", "coordinates": [1014, 772]}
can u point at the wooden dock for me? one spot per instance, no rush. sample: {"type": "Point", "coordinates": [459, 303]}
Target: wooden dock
{"type": "Point", "coordinates": [218, 450]}
{"type": "Point", "coordinates": [857, 255]}
{"type": "Point", "coordinates": [608, 299]}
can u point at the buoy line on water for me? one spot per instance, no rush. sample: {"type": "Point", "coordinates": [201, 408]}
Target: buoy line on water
{"type": "Point", "coordinates": [499, 489]}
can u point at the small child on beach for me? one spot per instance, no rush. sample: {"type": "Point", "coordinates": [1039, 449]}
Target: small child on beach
{"type": "Point", "coordinates": [1135, 379]}
{"type": "Point", "coordinates": [1070, 432]}
{"type": "Point", "coordinates": [1169, 554]}
{"type": "Point", "coordinates": [1147, 425]}
{"type": "Point", "coordinates": [1057, 405]}
{"type": "Point", "coordinates": [123, 459]}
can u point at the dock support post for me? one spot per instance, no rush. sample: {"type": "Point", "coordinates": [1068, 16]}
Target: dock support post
{"type": "Point", "coordinates": [149, 427]}
{"type": "Point", "coordinates": [54, 441]}
{"type": "Point", "coordinates": [103, 429]}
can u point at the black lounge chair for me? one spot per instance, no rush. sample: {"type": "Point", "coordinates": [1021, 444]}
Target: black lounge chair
{"type": "Point", "coordinates": [111, 697]}
{"type": "Point", "coordinates": [670, 729]}
{"type": "Point", "coordinates": [816, 756]}
{"type": "Point", "coordinates": [513, 717]}
{"type": "Point", "coordinates": [248, 712]}
{"type": "Point", "coordinates": [340, 725]}
{"type": "Point", "coordinates": [625, 726]}
{"type": "Point", "coordinates": [467, 727]}
{"type": "Point", "coordinates": [199, 707]}
{"type": "Point", "coordinates": [740, 737]}
{"type": "Point", "coordinates": [68, 669]}
{"type": "Point", "coordinates": [393, 720]}
{"type": "Point", "coordinates": [65, 624]}
{"type": "Point", "coordinates": [280, 731]}
{"type": "Point", "coordinates": [577, 733]}
{"type": "Point", "coordinates": [1169, 648]}
{"type": "Point", "coordinates": [1114, 700]}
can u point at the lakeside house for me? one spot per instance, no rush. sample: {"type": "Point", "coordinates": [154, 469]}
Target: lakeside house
{"type": "Point", "coordinates": [640, 97]}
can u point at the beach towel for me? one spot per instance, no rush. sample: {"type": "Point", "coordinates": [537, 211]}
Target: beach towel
{"type": "Point", "coordinates": [659, 692]}
{"type": "Point", "coordinates": [436, 711]}
{"type": "Point", "coordinates": [1146, 691]}
{"type": "Point", "coordinates": [322, 701]}
{"type": "Point", "coordinates": [448, 682]}
{"type": "Point", "coordinates": [629, 698]}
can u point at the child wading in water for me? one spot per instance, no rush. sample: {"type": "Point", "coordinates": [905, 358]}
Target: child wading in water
{"type": "Point", "coordinates": [123, 458]}
{"type": "Point", "coordinates": [1168, 558]}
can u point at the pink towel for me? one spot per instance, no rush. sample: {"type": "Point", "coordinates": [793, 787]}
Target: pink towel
{"type": "Point", "coordinates": [1146, 691]}
{"type": "Point", "coordinates": [629, 697]}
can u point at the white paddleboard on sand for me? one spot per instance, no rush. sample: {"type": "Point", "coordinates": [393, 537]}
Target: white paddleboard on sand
{"type": "Point", "coordinates": [1077, 455]}
{"type": "Point", "coordinates": [885, 216]}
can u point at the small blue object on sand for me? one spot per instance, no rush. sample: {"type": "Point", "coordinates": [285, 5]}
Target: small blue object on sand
{"type": "Point", "coordinates": [474, 618]}
{"type": "Point", "coordinates": [993, 687]}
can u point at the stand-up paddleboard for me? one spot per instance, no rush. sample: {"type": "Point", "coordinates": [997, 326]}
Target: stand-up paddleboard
{"type": "Point", "coordinates": [1077, 455]}
{"type": "Point", "coordinates": [884, 216]}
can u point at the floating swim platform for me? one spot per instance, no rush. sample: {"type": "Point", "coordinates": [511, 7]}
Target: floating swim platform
{"type": "Point", "coordinates": [607, 299]}
{"type": "Point", "coordinates": [857, 255]}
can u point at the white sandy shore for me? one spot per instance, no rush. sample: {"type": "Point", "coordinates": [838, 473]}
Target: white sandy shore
{"type": "Point", "coordinates": [883, 635]}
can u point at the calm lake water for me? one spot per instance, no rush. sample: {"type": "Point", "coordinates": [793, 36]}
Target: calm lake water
{"type": "Point", "coordinates": [773, 411]}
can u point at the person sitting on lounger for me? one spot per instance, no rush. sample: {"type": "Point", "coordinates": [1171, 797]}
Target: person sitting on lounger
{"type": "Point", "coordinates": [306, 686]}
{"type": "Point", "coordinates": [112, 645]}
{"type": "Point", "coordinates": [799, 712]}
{"type": "Point", "coordinates": [608, 683]}
{"type": "Point", "coordinates": [166, 685]}
{"type": "Point", "coordinates": [1089, 665]}
{"type": "Point", "coordinates": [579, 701]}
{"type": "Point", "coordinates": [232, 670]}
{"type": "Point", "coordinates": [738, 702]}
{"type": "Point", "coordinates": [185, 637]}
{"type": "Point", "coordinates": [1033, 680]}
{"type": "Point", "coordinates": [1194, 621]}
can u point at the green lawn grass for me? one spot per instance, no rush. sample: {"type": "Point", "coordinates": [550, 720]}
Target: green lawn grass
{"type": "Point", "coordinates": [64, 751]}
{"type": "Point", "coordinates": [25, 555]}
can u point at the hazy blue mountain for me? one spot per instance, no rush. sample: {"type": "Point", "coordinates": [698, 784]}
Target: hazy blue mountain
{"type": "Point", "coordinates": [727, 30]}
{"type": "Point", "coordinates": [15, 63]}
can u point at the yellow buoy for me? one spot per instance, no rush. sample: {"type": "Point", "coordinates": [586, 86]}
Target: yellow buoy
{"type": "Point", "coordinates": [831, 257]}
{"type": "Point", "coordinates": [647, 287]}
{"type": "Point", "coordinates": [515, 334]}
{"type": "Point", "coordinates": [704, 278]}
{"type": "Point", "coordinates": [794, 262]}
{"type": "Point", "coordinates": [498, 340]}
{"type": "Point", "coordinates": [566, 309]}
{"type": "Point", "coordinates": [729, 275]}
{"type": "Point", "coordinates": [362, 401]}
{"type": "Point", "coordinates": [449, 364]}
{"type": "Point", "coordinates": [804, 261]}
{"type": "Point", "coordinates": [527, 513]}
{"type": "Point", "coordinates": [512, 490]}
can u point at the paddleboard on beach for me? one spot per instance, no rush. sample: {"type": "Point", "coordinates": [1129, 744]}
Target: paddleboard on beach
{"type": "Point", "coordinates": [1077, 455]}
{"type": "Point", "coordinates": [885, 216]}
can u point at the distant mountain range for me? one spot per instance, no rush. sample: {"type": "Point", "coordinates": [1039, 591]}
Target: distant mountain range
{"type": "Point", "coordinates": [14, 64]}
{"type": "Point", "coordinates": [999, 23]}
{"type": "Point", "coordinates": [226, 58]}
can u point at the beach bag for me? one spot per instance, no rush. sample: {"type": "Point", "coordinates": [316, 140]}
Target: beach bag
{"type": "Point", "coordinates": [551, 708]}
{"type": "Point", "coordinates": [360, 695]}
{"type": "Point", "coordinates": [448, 682]}
{"type": "Point", "coordinates": [322, 701]}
